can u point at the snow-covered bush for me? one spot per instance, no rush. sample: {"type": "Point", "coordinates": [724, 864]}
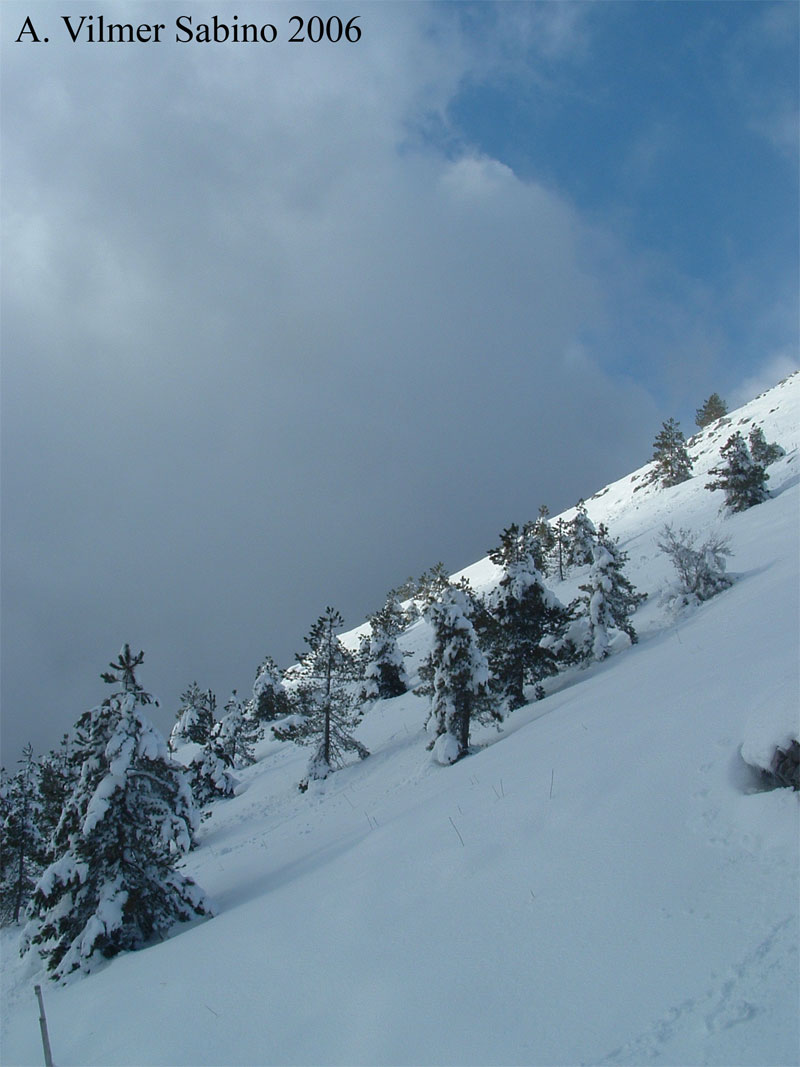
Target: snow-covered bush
{"type": "Point", "coordinates": [701, 569]}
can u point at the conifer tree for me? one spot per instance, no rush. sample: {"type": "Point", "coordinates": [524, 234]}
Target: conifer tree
{"type": "Point", "coordinates": [210, 772]}
{"type": "Point", "coordinates": [672, 462]}
{"type": "Point", "coordinates": [456, 675]}
{"type": "Point", "coordinates": [763, 453]}
{"type": "Point", "coordinates": [559, 552]}
{"type": "Point", "coordinates": [328, 708]}
{"type": "Point", "coordinates": [540, 536]}
{"type": "Point", "coordinates": [432, 582]}
{"type": "Point", "coordinates": [114, 884]}
{"type": "Point", "coordinates": [580, 537]}
{"type": "Point", "coordinates": [743, 480]}
{"type": "Point", "coordinates": [235, 732]}
{"type": "Point", "coordinates": [270, 699]}
{"type": "Point", "coordinates": [58, 775]}
{"type": "Point", "coordinates": [711, 410]}
{"type": "Point", "coordinates": [522, 611]}
{"type": "Point", "coordinates": [384, 675]}
{"type": "Point", "coordinates": [22, 846]}
{"type": "Point", "coordinates": [195, 717]}
{"type": "Point", "coordinates": [609, 600]}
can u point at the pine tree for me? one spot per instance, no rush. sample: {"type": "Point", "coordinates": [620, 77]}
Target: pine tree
{"type": "Point", "coordinates": [701, 570]}
{"type": "Point", "coordinates": [743, 480]}
{"type": "Point", "coordinates": [522, 612]}
{"type": "Point", "coordinates": [712, 409]}
{"type": "Point", "coordinates": [328, 708]}
{"type": "Point", "coordinates": [384, 675]}
{"type": "Point", "coordinates": [210, 772]}
{"type": "Point", "coordinates": [22, 845]}
{"type": "Point", "coordinates": [432, 582]}
{"type": "Point", "coordinates": [609, 600]}
{"type": "Point", "coordinates": [672, 462]}
{"type": "Point", "coordinates": [195, 717]}
{"type": "Point", "coordinates": [559, 552]}
{"type": "Point", "coordinates": [456, 674]}
{"type": "Point", "coordinates": [581, 535]}
{"type": "Point", "coordinates": [539, 534]}
{"type": "Point", "coordinates": [58, 775]}
{"type": "Point", "coordinates": [763, 453]}
{"type": "Point", "coordinates": [235, 732]}
{"type": "Point", "coordinates": [114, 884]}
{"type": "Point", "coordinates": [270, 699]}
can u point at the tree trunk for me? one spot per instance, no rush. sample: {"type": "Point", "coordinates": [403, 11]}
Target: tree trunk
{"type": "Point", "coordinates": [20, 877]}
{"type": "Point", "coordinates": [463, 725]}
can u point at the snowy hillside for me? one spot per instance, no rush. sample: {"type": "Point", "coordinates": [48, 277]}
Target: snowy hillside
{"type": "Point", "coordinates": [602, 882]}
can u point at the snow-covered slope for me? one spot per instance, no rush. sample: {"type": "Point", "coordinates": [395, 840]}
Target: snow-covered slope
{"type": "Point", "coordinates": [599, 883]}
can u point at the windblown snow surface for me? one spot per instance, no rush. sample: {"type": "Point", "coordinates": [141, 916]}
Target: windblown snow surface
{"type": "Point", "coordinates": [601, 882]}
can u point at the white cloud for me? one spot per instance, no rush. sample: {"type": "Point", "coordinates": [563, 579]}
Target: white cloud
{"type": "Point", "coordinates": [775, 368]}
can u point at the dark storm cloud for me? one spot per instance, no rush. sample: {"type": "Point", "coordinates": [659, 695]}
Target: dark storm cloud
{"type": "Point", "coordinates": [266, 348]}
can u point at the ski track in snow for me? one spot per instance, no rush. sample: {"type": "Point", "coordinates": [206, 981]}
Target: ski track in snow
{"type": "Point", "coordinates": [736, 1001]}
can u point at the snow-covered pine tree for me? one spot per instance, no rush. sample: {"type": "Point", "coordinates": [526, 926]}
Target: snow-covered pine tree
{"type": "Point", "coordinates": [763, 453]}
{"type": "Point", "coordinates": [701, 569]}
{"type": "Point", "coordinates": [210, 772]}
{"type": "Point", "coordinates": [195, 717]}
{"type": "Point", "coordinates": [743, 480]}
{"type": "Point", "coordinates": [22, 845]}
{"type": "Point", "coordinates": [539, 534]}
{"type": "Point", "coordinates": [581, 535]}
{"type": "Point", "coordinates": [672, 462]}
{"type": "Point", "coordinates": [328, 708]}
{"type": "Point", "coordinates": [115, 884]}
{"type": "Point", "coordinates": [361, 657]}
{"type": "Point", "coordinates": [270, 699]}
{"type": "Point", "coordinates": [385, 675]}
{"type": "Point", "coordinates": [559, 551]}
{"type": "Point", "coordinates": [58, 775]}
{"type": "Point", "coordinates": [235, 732]}
{"type": "Point", "coordinates": [456, 675]}
{"type": "Point", "coordinates": [522, 611]}
{"type": "Point", "coordinates": [431, 582]}
{"type": "Point", "coordinates": [711, 410]}
{"type": "Point", "coordinates": [608, 602]}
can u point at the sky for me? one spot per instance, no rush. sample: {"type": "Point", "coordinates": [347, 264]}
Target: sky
{"type": "Point", "coordinates": [283, 324]}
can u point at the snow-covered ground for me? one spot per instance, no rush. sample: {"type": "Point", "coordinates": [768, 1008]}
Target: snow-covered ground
{"type": "Point", "coordinates": [600, 883]}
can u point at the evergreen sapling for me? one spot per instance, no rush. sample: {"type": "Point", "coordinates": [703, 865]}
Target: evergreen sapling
{"type": "Point", "coordinates": [743, 480]}
{"type": "Point", "coordinates": [328, 710]}
{"type": "Point", "coordinates": [608, 602]}
{"type": "Point", "coordinates": [672, 462]}
{"type": "Point", "coordinates": [384, 674]}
